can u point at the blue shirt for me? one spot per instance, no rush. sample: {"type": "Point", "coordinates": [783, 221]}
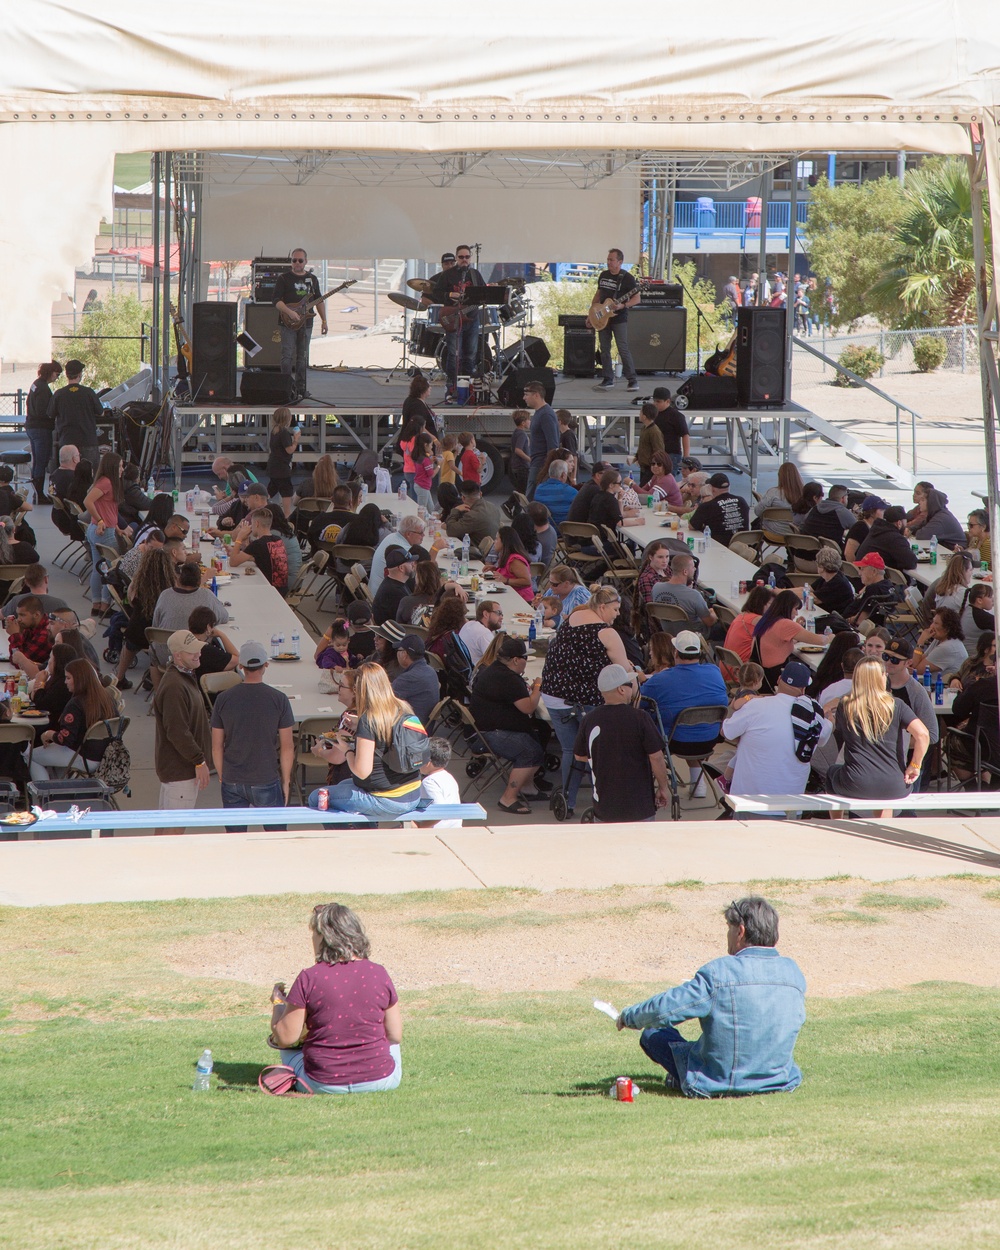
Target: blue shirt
{"type": "Point", "coordinates": [751, 1006]}
{"type": "Point", "coordinates": [687, 685]}
{"type": "Point", "coordinates": [418, 686]}
{"type": "Point", "coordinates": [557, 496]}
{"type": "Point", "coordinates": [543, 433]}
{"type": "Point", "coordinates": [576, 598]}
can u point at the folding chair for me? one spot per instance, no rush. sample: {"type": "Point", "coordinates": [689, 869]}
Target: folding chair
{"type": "Point", "coordinates": [752, 539]}
{"type": "Point", "coordinates": [19, 735]}
{"type": "Point", "coordinates": [306, 512]}
{"type": "Point", "coordinates": [708, 715]}
{"type": "Point", "coordinates": [731, 659]}
{"type": "Point", "coordinates": [896, 577]}
{"type": "Point", "coordinates": [622, 567]}
{"type": "Point", "coordinates": [801, 549]}
{"type": "Point", "coordinates": [11, 574]}
{"type": "Point", "coordinates": [70, 528]}
{"type": "Point", "coordinates": [485, 766]}
{"type": "Point", "coordinates": [10, 589]}
{"type": "Point", "coordinates": [776, 524]}
{"type": "Point", "coordinates": [725, 615]}
{"type": "Point", "coordinates": [670, 618]}
{"type": "Point", "coordinates": [312, 569]}
{"type": "Point", "coordinates": [80, 766]}
{"type": "Point", "coordinates": [213, 684]}
{"type": "Point", "coordinates": [306, 733]}
{"type": "Point", "coordinates": [572, 536]}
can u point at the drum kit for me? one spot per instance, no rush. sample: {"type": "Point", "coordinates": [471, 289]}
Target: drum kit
{"type": "Point", "coordinates": [428, 339]}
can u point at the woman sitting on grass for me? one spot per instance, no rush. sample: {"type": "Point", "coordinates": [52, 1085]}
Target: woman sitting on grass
{"type": "Point", "coordinates": [349, 1010]}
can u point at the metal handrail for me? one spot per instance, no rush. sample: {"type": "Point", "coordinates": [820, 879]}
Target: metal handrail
{"type": "Point", "coordinates": [858, 381]}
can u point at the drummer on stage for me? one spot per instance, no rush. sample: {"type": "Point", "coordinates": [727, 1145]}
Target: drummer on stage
{"type": "Point", "coordinates": [447, 262]}
{"type": "Point", "coordinates": [448, 289]}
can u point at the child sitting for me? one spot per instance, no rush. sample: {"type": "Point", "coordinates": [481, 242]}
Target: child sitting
{"type": "Point", "coordinates": [438, 784]}
{"type": "Point", "coordinates": [332, 649]}
{"type": "Point", "coordinates": [362, 636]}
{"type": "Point", "coordinates": [551, 606]}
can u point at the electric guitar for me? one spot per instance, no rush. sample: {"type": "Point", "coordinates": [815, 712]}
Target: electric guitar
{"type": "Point", "coordinates": [600, 314]}
{"type": "Point", "coordinates": [182, 341]}
{"type": "Point", "coordinates": [723, 362]}
{"type": "Point", "coordinates": [294, 315]}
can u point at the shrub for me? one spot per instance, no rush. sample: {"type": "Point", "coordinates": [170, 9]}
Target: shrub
{"type": "Point", "coordinates": [864, 361]}
{"type": "Point", "coordinates": [929, 352]}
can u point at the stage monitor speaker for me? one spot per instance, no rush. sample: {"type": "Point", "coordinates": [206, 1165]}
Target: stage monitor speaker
{"type": "Point", "coordinates": [213, 352]}
{"type": "Point", "coordinates": [267, 387]}
{"type": "Point", "coordinates": [579, 353]}
{"type": "Point", "coordinates": [705, 390]}
{"type": "Point", "coordinates": [657, 338]}
{"type": "Point", "coordinates": [511, 389]}
{"type": "Point", "coordinates": [534, 348]}
{"type": "Point", "coordinates": [261, 322]}
{"type": "Point", "coordinates": [760, 356]}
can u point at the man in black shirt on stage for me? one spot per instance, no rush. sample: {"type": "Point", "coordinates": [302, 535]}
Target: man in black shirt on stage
{"type": "Point", "coordinates": [294, 285]}
{"type": "Point", "coordinates": [617, 284]}
{"type": "Point", "coordinates": [75, 409]}
{"type": "Point", "coordinates": [461, 324]}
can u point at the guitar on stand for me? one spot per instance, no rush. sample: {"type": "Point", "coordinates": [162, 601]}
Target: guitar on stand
{"type": "Point", "coordinates": [293, 316]}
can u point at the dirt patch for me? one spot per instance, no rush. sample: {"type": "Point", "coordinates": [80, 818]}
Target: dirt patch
{"type": "Point", "coordinates": [847, 938]}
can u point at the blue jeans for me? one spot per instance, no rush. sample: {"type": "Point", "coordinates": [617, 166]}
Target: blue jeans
{"type": "Point", "coordinates": [618, 331]}
{"type": "Point", "coordinates": [346, 797]}
{"type": "Point", "coordinates": [565, 723]}
{"type": "Point", "coordinates": [270, 795]}
{"type": "Point", "coordinates": [296, 1060]}
{"type": "Point", "coordinates": [656, 1044]}
{"type": "Point", "coordinates": [462, 347]}
{"type": "Point", "coordinates": [41, 454]}
{"type": "Point", "coordinates": [295, 353]}
{"type": "Point", "coordinates": [533, 471]}
{"type": "Point", "coordinates": [98, 591]}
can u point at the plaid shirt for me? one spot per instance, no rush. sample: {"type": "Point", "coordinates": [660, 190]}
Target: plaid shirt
{"type": "Point", "coordinates": [34, 643]}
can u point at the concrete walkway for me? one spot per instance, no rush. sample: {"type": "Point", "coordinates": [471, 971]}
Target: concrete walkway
{"type": "Point", "coordinates": [542, 857]}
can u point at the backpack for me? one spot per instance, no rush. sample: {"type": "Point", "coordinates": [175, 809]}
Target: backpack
{"type": "Point", "coordinates": [115, 768]}
{"type": "Point", "coordinates": [807, 725]}
{"type": "Point", "coordinates": [410, 748]}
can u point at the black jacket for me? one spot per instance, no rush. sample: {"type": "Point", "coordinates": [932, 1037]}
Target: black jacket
{"type": "Point", "coordinates": [891, 544]}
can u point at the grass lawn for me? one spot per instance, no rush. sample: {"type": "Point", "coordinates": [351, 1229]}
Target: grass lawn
{"type": "Point", "coordinates": [131, 169]}
{"type": "Point", "coordinates": [500, 1134]}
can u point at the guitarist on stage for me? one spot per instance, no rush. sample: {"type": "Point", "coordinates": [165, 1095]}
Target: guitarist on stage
{"type": "Point", "coordinates": [460, 324]}
{"type": "Point", "coordinates": [618, 285]}
{"type": "Point", "coordinates": [292, 287]}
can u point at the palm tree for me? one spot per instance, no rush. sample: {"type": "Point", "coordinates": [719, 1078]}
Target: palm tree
{"type": "Point", "coordinates": [930, 277]}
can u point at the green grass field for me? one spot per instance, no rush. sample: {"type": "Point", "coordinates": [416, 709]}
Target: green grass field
{"type": "Point", "coordinates": [500, 1134]}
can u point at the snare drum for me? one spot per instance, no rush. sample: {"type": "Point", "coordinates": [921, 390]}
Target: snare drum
{"type": "Point", "coordinates": [434, 315]}
{"type": "Point", "coordinates": [514, 310]}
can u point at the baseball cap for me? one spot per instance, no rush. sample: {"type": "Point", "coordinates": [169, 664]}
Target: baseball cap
{"type": "Point", "coordinates": [359, 612]}
{"type": "Point", "coordinates": [661, 392]}
{"type": "Point", "coordinates": [252, 655]}
{"type": "Point", "coordinates": [796, 674]}
{"type": "Point", "coordinates": [412, 645]}
{"type": "Point", "coordinates": [899, 648]}
{"type": "Point", "coordinates": [513, 649]}
{"type": "Point", "coordinates": [687, 642]}
{"type": "Point", "coordinates": [397, 556]}
{"type": "Point", "coordinates": [870, 561]}
{"type": "Point", "coordinates": [719, 480]}
{"type": "Point", "coordinates": [894, 514]}
{"type": "Point", "coordinates": [871, 503]}
{"type": "Point", "coordinates": [447, 256]}
{"type": "Point", "coordinates": [183, 640]}
{"type": "Point", "coordinates": [691, 462]}
{"type": "Point", "coordinates": [612, 676]}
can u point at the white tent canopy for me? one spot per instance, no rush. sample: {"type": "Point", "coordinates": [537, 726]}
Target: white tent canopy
{"type": "Point", "coordinates": [80, 84]}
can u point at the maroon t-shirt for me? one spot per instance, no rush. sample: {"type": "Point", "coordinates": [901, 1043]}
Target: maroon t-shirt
{"type": "Point", "coordinates": [345, 1009]}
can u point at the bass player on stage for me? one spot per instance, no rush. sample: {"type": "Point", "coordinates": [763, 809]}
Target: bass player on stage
{"type": "Point", "coordinates": [291, 288]}
{"type": "Point", "coordinates": [617, 292]}
{"type": "Point", "coordinates": [461, 324]}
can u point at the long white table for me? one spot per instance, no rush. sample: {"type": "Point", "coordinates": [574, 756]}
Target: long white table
{"type": "Point", "coordinates": [926, 574]}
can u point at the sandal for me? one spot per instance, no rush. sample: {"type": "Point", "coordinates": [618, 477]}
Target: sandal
{"type": "Point", "coordinates": [517, 808]}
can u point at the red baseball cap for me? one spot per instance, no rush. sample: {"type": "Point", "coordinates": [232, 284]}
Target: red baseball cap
{"type": "Point", "coordinates": [871, 561]}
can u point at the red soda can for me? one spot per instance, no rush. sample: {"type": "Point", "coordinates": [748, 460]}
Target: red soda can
{"type": "Point", "coordinates": [623, 1089]}
{"type": "Point", "coordinates": [743, 588]}
{"type": "Point", "coordinates": [323, 800]}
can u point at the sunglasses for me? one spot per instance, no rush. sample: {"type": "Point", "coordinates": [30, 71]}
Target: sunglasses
{"type": "Point", "coordinates": [466, 257]}
{"type": "Point", "coordinates": [894, 659]}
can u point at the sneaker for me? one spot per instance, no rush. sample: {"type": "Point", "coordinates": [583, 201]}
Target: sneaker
{"type": "Point", "coordinates": [124, 684]}
{"type": "Point", "coordinates": [699, 791]}
{"type": "Point", "coordinates": [450, 399]}
{"type": "Point", "coordinates": [633, 385]}
{"type": "Point", "coordinates": [606, 385]}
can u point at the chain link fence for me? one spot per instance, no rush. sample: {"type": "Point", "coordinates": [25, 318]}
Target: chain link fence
{"type": "Point", "coordinates": [12, 405]}
{"type": "Point", "coordinates": [897, 346]}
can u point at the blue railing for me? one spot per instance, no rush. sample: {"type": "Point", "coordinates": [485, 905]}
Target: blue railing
{"type": "Point", "coordinates": [706, 218]}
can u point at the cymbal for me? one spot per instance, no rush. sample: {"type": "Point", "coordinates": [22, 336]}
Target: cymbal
{"type": "Point", "coordinates": [419, 284]}
{"type": "Point", "coordinates": [405, 301]}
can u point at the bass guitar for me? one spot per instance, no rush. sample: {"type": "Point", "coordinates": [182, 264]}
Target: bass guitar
{"type": "Point", "coordinates": [183, 343]}
{"type": "Point", "coordinates": [293, 316]}
{"type": "Point", "coordinates": [723, 362]}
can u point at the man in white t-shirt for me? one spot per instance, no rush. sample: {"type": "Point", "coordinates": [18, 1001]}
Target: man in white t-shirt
{"type": "Point", "coordinates": [478, 634]}
{"type": "Point", "coordinates": [766, 762]}
{"type": "Point", "coordinates": [438, 784]}
{"type": "Point", "coordinates": [837, 689]}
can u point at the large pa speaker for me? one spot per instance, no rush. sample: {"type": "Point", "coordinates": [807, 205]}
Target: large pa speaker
{"type": "Point", "coordinates": [267, 387]}
{"type": "Point", "coordinates": [705, 390]}
{"type": "Point", "coordinates": [261, 322]}
{"type": "Point", "coordinates": [511, 390]}
{"type": "Point", "coordinates": [213, 352]}
{"type": "Point", "coordinates": [657, 339]}
{"type": "Point", "coordinates": [760, 356]}
{"type": "Point", "coordinates": [579, 353]}
{"type": "Point", "coordinates": [534, 349]}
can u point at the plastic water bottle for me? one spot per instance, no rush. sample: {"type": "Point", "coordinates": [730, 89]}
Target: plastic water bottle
{"type": "Point", "coordinates": [828, 634]}
{"type": "Point", "coordinates": [275, 645]}
{"type": "Point", "coordinates": [189, 501]}
{"type": "Point", "coordinates": [364, 493]}
{"type": "Point", "coordinates": [927, 679]}
{"type": "Point", "coordinates": [224, 559]}
{"type": "Point", "coordinates": [218, 551]}
{"type": "Point", "coordinates": [934, 546]}
{"type": "Point", "coordinates": [401, 493]}
{"type": "Point", "coordinates": [939, 690]}
{"type": "Point", "coordinates": [532, 633]}
{"type": "Point", "coordinates": [215, 585]}
{"type": "Point", "coordinates": [772, 584]}
{"type": "Point", "coordinates": [151, 486]}
{"type": "Point", "coordinates": [706, 537]}
{"type": "Point", "coordinates": [203, 1073]}
{"type": "Point", "coordinates": [454, 569]}
{"type": "Point", "coordinates": [296, 643]}
{"type": "Point", "coordinates": [176, 495]}
{"type": "Point", "coordinates": [281, 643]}
{"type": "Point", "coordinates": [466, 544]}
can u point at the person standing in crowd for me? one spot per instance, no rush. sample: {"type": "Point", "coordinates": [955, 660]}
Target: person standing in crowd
{"type": "Point", "coordinates": [898, 660]}
{"type": "Point", "coordinates": [679, 591]}
{"type": "Point", "coordinates": [625, 752]}
{"type": "Point", "coordinates": [283, 444]}
{"type": "Point", "coordinates": [618, 285]}
{"type": "Point", "coordinates": [520, 451]}
{"type": "Point", "coordinates": [478, 634]}
{"type": "Point", "coordinates": [292, 287]}
{"type": "Point", "coordinates": [751, 1003]}
{"type": "Point", "coordinates": [886, 539]}
{"type": "Point", "coordinates": [39, 425]}
{"type": "Point", "coordinates": [74, 411]}
{"type": "Point", "coordinates": [183, 743]}
{"type": "Point", "coordinates": [252, 738]}
{"type": "Point", "coordinates": [254, 539]}
{"type": "Point", "coordinates": [872, 509]}
{"type": "Point", "coordinates": [673, 426]}
{"type": "Point", "coordinates": [725, 514]}
{"type": "Point", "coordinates": [102, 504]}
{"type": "Point", "coordinates": [650, 441]}
{"type": "Point", "coordinates": [543, 432]}
{"type": "Point", "coordinates": [416, 406]}
{"type": "Point", "coordinates": [416, 683]}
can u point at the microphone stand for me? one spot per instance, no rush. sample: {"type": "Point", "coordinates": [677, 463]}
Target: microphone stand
{"type": "Point", "coordinates": [701, 317]}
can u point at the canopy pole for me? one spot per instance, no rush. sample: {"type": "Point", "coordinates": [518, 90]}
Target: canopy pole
{"type": "Point", "coordinates": [765, 183]}
{"type": "Point", "coordinates": [793, 203]}
{"type": "Point", "coordinates": [165, 320]}
{"type": "Point", "coordinates": [154, 333]}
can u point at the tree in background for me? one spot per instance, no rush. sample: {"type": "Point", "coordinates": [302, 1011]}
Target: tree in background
{"type": "Point", "coordinates": [107, 340]}
{"type": "Point", "coordinates": [552, 300]}
{"type": "Point", "coordinates": [714, 331]}
{"type": "Point", "coordinates": [929, 277]}
{"type": "Point", "coordinates": [849, 233]}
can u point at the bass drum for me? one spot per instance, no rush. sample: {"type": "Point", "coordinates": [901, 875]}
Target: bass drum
{"type": "Point", "coordinates": [424, 339]}
{"type": "Point", "coordinates": [441, 357]}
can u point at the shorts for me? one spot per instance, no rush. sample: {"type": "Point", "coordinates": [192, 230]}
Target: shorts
{"type": "Point", "coordinates": [280, 486]}
{"type": "Point", "coordinates": [178, 795]}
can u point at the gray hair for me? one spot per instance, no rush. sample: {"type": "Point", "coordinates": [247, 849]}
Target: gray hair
{"type": "Point", "coordinates": [758, 918]}
{"type": "Point", "coordinates": [409, 525]}
{"type": "Point", "coordinates": [559, 468]}
{"type": "Point", "coordinates": [67, 451]}
{"type": "Point", "coordinates": [828, 559]}
{"type": "Point", "coordinates": [341, 934]}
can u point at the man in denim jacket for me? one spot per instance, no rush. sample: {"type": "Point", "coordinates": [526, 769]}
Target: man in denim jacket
{"type": "Point", "coordinates": [751, 1004]}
